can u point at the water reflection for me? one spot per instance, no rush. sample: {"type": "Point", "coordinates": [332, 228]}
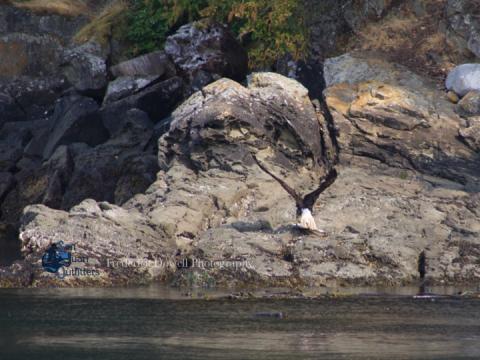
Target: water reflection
{"type": "Point", "coordinates": [139, 324]}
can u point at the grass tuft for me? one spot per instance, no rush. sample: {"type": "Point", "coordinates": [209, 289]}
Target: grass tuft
{"type": "Point", "coordinates": [110, 22]}
{"type": "Point", "coordinates": [61, 7]}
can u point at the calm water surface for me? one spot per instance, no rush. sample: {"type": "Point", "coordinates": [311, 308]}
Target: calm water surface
{"type": "Point", "coordinates": [153, 324]}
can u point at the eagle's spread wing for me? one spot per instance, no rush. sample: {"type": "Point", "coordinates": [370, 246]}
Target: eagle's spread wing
{"type": "Point", "coordinates": [310, 199]}
{"type": "Point", "coordinates": [288, 189]}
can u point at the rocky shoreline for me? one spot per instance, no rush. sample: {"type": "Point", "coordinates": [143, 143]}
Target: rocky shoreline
{"type": "Point", "coordinates": [164, 168]}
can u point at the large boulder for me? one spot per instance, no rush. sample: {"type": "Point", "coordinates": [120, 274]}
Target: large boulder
{"type": "Point", "coordinates": [113, 245]}
{"type": "Point", "coordinates": [206, 52]}
{"type": "Point", "coordinates": [276, 139]}
{"type": "Point", "coordinates": [463, 79]}
{"type": "Point", "coordinates": [85, 68]}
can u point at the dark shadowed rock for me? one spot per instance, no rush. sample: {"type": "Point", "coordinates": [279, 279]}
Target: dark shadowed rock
{"type": "Point", "coordinates": [14, 136]}
{"type": "Point", "coordinates": [157, 100]}
{"type": "Point", "coordinates": [24, 98]}
{"type": "Point", "coordinates": [10, 250]}
{"type": "Point", "coordinates": [309, 73]}
{"type": "Point", "coordinates": [6, 182]}
{"type": "Point", "coordinates": [116, 170]}
{"type": "Point", "coordinates": [76, 119]}
{"type": "Point", "coordinates": [206, 52]}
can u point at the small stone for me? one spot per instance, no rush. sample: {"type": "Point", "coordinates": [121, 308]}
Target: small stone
{"type": "Point", "coordinates": [452, 97]}
{"type": "Point", "coordinates": [469, 105]}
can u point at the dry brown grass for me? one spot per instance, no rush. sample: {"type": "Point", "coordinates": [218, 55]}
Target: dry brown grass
{"type": "Point", "coordinates": [410, 39]}
{"type": "Point", "coordinates": [388, 34]}
{"type": "Point", "coordinates": [106, 24]}
{"type": "Point", "coordinates": [60, 7]}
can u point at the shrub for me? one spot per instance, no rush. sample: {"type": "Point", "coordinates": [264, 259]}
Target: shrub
{"type": "Point", "coordinates": [268, 28]}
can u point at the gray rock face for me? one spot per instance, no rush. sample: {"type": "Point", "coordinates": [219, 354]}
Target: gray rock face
{"type": "Point", "coordinates": [464, 78]}
{"type": "Point", "coordinates": [462, 18]}
{"type": "Point", "coordinates": [25, 54]}
{"type": "Point", "coordinates": [352, 68]}
{"type": "Point", "coordinates": [17, 20]}
{"type": "Point", "coordinates": [85, 68]}
{"type": "Point", "coordinates": [125, 86]}
{"type": "Point", "coordinates": [206, 53]}
{"type": "Point", "coordinates": [154, 64]}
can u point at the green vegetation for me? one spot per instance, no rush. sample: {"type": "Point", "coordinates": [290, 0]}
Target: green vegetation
{"type": "Point", "coordinates": [151, 20]}
{"type": "Point", "coordinates": [267, 28]}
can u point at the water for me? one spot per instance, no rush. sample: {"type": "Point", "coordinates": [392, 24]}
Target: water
{"type": "Point", "coordinates": [161, 324]}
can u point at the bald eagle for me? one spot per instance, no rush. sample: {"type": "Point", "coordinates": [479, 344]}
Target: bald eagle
{"type": "Point", "coordinates": [304, 204]}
